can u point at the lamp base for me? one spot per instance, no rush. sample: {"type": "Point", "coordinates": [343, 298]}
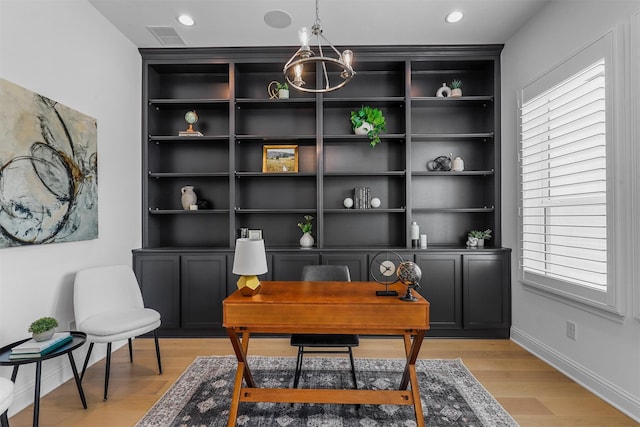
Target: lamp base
{"type": "Point", "coordinates": [249, 285]}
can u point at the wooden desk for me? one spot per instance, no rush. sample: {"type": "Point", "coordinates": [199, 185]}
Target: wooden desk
{"type": "Point", "coordinates": [326, 308]}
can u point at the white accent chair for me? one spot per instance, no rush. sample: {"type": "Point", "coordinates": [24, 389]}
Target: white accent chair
{"type": "Point", "coordinates": [108, 307]}
{"type": "Point", "coordinates": [6, 397]}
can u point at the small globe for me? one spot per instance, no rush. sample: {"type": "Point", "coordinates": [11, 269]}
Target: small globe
{"type": "Point", "coordinates": [409, 274]}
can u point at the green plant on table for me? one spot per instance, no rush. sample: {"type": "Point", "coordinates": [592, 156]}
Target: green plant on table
{"type": "Point", "coordinates": [306, 226]}
{"type": "Point", "coordinates": [374, 117]}
{"type": "Point", "coordinates": [43, 324]}
{"type": "Point", "coordinates": [486, 234]}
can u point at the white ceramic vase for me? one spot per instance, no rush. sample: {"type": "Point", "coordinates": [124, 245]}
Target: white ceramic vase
{"type": "Point", "coordinates": [283, 94]}
{"type": "Point", "coordinates": [44, 336]}
{"type": "Point", "coordinates": [444, 91]}
{"type": "Point", "coordinates": [363, 129]}
{"type": "Point", "coordinates": [188, 197]}
{"type": "Point", "coordinates": [307, 241]}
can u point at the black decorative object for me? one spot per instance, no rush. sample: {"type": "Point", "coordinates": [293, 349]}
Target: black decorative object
{"type": "Point", "coordinates": [409, 274]}
{"type": "Point", "coordinates": [383, 268]}
{"type": "Point", "coordinates": [441, 163]}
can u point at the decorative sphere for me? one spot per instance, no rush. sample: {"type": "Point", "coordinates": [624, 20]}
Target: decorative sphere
{"type": "Point", "coordinates": [409, 273]}
{"type": "Point", "coordinates": [375, 202]}
{"type": "Point", "coordinates": [348, 202]}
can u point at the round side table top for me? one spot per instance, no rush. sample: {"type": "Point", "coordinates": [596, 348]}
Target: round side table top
{"type": "Point", "coordinates": [78, 338]}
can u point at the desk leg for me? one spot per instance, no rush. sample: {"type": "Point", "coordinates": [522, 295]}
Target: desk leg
{"type": "Point", "coordinates": [241, 354]}
{"type": "Point", "coordinates": [235, 397]}
{"type": "Point", "coordinates": [36, 397]}
{"type": "Point", "coordinates": [410, 375]}
{"type": "Point", "coordinates": [77, 378]}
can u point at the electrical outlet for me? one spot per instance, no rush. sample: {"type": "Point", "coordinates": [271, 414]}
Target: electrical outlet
{"type": "Point", "coordinates": [571, 330]}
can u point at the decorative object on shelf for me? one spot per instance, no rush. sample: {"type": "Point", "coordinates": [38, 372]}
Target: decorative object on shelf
{"type": "Point", "coordinates": [444, 91]}
{"type": "Point", "coordinates": [372, 117]}
{"type": "Point", "coordinates": [415, 234]}
{"type": "Point", "coordinates": [383, 269]}
{"type": "Point", "coordinates": [348, 203]}
{"type": "Point", "coordinates": [456, 88]}
{"type": "Point", "coordinates": [409, 274]}
{"type": "Point", "coordinates": [254, 234]}
{"type": "Point", "coordinates": [280, 158]}
{"type": "Point", "coordinates": [43, 328]}
{"type": "Point", "coordinates": [423, 241]}
{"type": "Point", "coordinates": [294, 68]}
{"type": "Point", "coordinates": [307, 240]}
{"type": "Point", "coordinates": [191, 117]}
{"type": "Point", "coordinates": [278, 90]}
{"type": "Point", "coordinates": [188, 197]}
{"type": "Point", "coordinates": [458, 165]}
{"type": "Point", "coordinates": [478, 237]}
{"type": "Point", "coordinates": [375, 202]}
{"type": "Point", "coordinates": [440, 163]}
{"type": "Point", "coordinates": [361, 197]}
{"type": "Point", "coordinates": [203, 204]}
{"type": "Point", "coordinates": [243, 233]}
{"type": "Point", "coordinates": [249, 261]}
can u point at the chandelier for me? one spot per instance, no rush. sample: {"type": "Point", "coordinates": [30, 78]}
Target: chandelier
{"type": "Point", "coordinates": [294, 68]}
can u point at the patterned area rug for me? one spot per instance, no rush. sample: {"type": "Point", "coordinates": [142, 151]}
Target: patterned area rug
{"type": "Point", "coordinates": [451, 396]}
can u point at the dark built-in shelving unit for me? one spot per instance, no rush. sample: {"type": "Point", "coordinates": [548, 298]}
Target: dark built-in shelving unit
{"type": "Point", "coordinates": [228, 89]}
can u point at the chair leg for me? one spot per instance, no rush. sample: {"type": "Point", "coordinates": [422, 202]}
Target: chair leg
{"type": "Point", "coordinates": [107, 370]}
{"type": "Point", "coordinates": [155, 337]}
{"type": "Point", "coordinates": [130, 351]}
{"type": "Point", "coordinates": [86, 361]}
{"type": "Point", "coordinates": [353, 369]}
{"type": "Point", "coordinates": [4, 419]}
{"type": "Point", "coordinates": [296, 378]}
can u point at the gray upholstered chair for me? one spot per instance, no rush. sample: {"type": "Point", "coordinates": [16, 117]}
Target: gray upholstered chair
{"type": "Point", "coordinates": [108, 307]}
{"type": "Point", "coordinates": [6, 397]}
{"type": "Point", "coordinates": [318, 343]}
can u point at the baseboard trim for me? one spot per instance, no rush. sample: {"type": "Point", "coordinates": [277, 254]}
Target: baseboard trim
{"type": "Point", "coordinates": [607, 391]}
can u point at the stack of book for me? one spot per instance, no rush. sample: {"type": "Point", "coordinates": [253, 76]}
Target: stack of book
{"type": "Point", "coordinates": [33, 348]}
{"type": "Point", "coordinates": [361, 198]}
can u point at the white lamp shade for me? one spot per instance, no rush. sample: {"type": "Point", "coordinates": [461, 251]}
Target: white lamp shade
{"type": "Point", "coordinates": [250, 257]}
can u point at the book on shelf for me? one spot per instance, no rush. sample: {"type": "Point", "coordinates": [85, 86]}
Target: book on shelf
{"type": "Point", "coordinates": [33, 348]}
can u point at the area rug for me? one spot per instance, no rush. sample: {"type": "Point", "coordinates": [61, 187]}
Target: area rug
{"type": "Point", "coordinates": [450, 395]}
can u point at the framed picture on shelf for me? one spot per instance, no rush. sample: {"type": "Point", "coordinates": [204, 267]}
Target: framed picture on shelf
{"type": "Point", "coordinates": [255, 234]}
{"type": "Point", "coordinates": [279, 158]}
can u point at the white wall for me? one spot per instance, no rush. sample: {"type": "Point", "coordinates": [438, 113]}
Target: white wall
{"type": "Point", "coordinates": [67, 51]}
{"type": "Point", "coordinates": [605, 356]}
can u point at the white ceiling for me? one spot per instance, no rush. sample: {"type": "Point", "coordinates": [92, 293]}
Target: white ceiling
{"type": "Point", "coordinates": [234, 23]}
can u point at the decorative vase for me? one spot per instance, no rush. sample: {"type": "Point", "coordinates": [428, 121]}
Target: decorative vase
{"type": "Point", "coordinates": [481, 243]}
{"type": "Point", "coordinates": [188, 197]}
{"type": "Point", "coordinates": [43, 336]}
{"type": "Point", "coordinates": [363, 129]}
{"type": "Point", "coordinates": [307, 240]}
{"type": "Point", "coordinates": [444, 91]}
{"type": "Point", "coordinates": [458, 165]}
{"type": "Point", "coordinates": [283, 94]}
{"type": "Point", "coordinates": [456, 92]}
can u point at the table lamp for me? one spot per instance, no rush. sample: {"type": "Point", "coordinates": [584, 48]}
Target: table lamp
{"type": "Point", "coordinates": [250, 260]}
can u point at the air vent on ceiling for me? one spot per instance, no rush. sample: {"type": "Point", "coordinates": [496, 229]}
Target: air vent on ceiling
{"type": "Point", "coordinates": [167, 36]}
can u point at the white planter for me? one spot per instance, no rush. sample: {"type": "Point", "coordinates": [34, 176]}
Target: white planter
{"type": "Point", "coordinates": [456, 92]}
{"type": "Point", "coordinates": [44, 336]}
{"type": "Point", "coordinates": [481, 243]}
{"type": "Point", "coordinates": [283, 94]}
{"type": "Point", "coordinates": [364, 129]}
{"type": "Point", "coordinates": [307, 241]}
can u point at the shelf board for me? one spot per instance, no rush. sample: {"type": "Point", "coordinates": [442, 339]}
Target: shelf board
{"type": "Point", "coordinates": [174, 138]}
{"type": "Point", "coordinates": [449, 100]}
{"type": "Point", "coordinates": [350, 137]}
{"type": "Point", "coordinates": [273, 211]}
{"type": "Point", "coordinates": [274, 139]}
{"type": "Point", "coordinates": [374, 101]}
{"type": "Point", "coordinates": [365, 211]}
{"type": "Point", "coordinates": [274, 103]}
{"type": "Point", "coordinates": [188, 174]}
{"type": "Point", "coordinates": [157, 211]}
{"type": "Point", "coordinates": [274, 175]}
{"type": "Point", "coordinates": [189, 102]}
{"type": "Point", "coordinates": [452, 173]}
{"type": "Point", "coordinates": [453, 210]}
{"type": "Point", "coordinates": [366, 173]}
{"type": "Point", "coordinates": [485, 136]}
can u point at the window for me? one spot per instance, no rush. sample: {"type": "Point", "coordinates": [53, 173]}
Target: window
{"type": "Point", "coordinates": [566, 139]}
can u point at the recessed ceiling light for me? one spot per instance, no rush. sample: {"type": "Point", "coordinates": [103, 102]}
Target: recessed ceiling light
{"type": "Point", "coordinates": [186, 20]}
{"type": "Point", "coordinates": [277, 19]}
{"type": "Point", "coordinates": [454, 17]}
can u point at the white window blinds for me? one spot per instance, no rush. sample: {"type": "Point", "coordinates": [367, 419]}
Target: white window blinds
{"type": "Point", "coordinates": [564, 181]}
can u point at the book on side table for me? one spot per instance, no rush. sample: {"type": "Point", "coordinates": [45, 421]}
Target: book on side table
{"type": "Point", "coordinates": [33, 348]}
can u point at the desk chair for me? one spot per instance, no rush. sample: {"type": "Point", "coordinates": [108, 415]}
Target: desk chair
{"type": "Point", "coordinates": [108, 307]}
{"type": "Point", "coordinates": [6, 397]}
{"type": "Point", "coordinates": [324, 273]}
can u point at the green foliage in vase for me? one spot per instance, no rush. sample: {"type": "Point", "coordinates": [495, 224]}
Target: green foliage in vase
{"type": "Point", "coordinates": [306, 226]}
{"type": "Point", "coordinates": [456, 84]}
{"type": "Point", "coordinates": [486, 234]}
{"type": "Point", "coordinates": [282, 86]}
{"type": "Point", "coordinates": [374, 117]}
{"type": "Point", "coordinates": [43, 325]}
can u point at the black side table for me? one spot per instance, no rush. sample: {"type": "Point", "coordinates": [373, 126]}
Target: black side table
{"type": "Point", "coordinates": [78, 339]}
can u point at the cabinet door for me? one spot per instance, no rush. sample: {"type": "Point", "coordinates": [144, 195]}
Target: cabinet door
{"type": "Point", "coordinates": [288, 266]}
{"type": "Point", "coordinates": [159, 279]}
{"type": "Point", "coordinates": [357, 263]}
{"type": "Point", "coordinates": [487, 294]}
{"type": "Point", "coordinates": [441, 285]}
{"type": "Point", "coordinates": [204, 286]}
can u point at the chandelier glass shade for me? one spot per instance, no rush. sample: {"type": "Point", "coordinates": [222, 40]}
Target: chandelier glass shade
{"type": "Point", "coordinates": [338, 67]}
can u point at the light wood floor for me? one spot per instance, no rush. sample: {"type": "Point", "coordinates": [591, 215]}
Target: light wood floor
{"type": "Point", "coordinates": [533, 393]}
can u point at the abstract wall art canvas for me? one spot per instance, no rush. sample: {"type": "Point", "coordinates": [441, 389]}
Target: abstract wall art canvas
{"type": "Point", "coordinates": [48, 170]}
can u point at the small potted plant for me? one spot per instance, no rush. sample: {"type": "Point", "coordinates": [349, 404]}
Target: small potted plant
{"type": "Point", "coordinates": [368, 121]}
{"type": "Point", "coordinates": [307, 240]}
{"type": "Point", "coordinates": [479, 237]}
{"type": "Point", "coordinates": [281, 90]}
{"type": "Point", "coordinates": [456, 88]}
{"type": "Point", "coordinates": [43, 328]}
